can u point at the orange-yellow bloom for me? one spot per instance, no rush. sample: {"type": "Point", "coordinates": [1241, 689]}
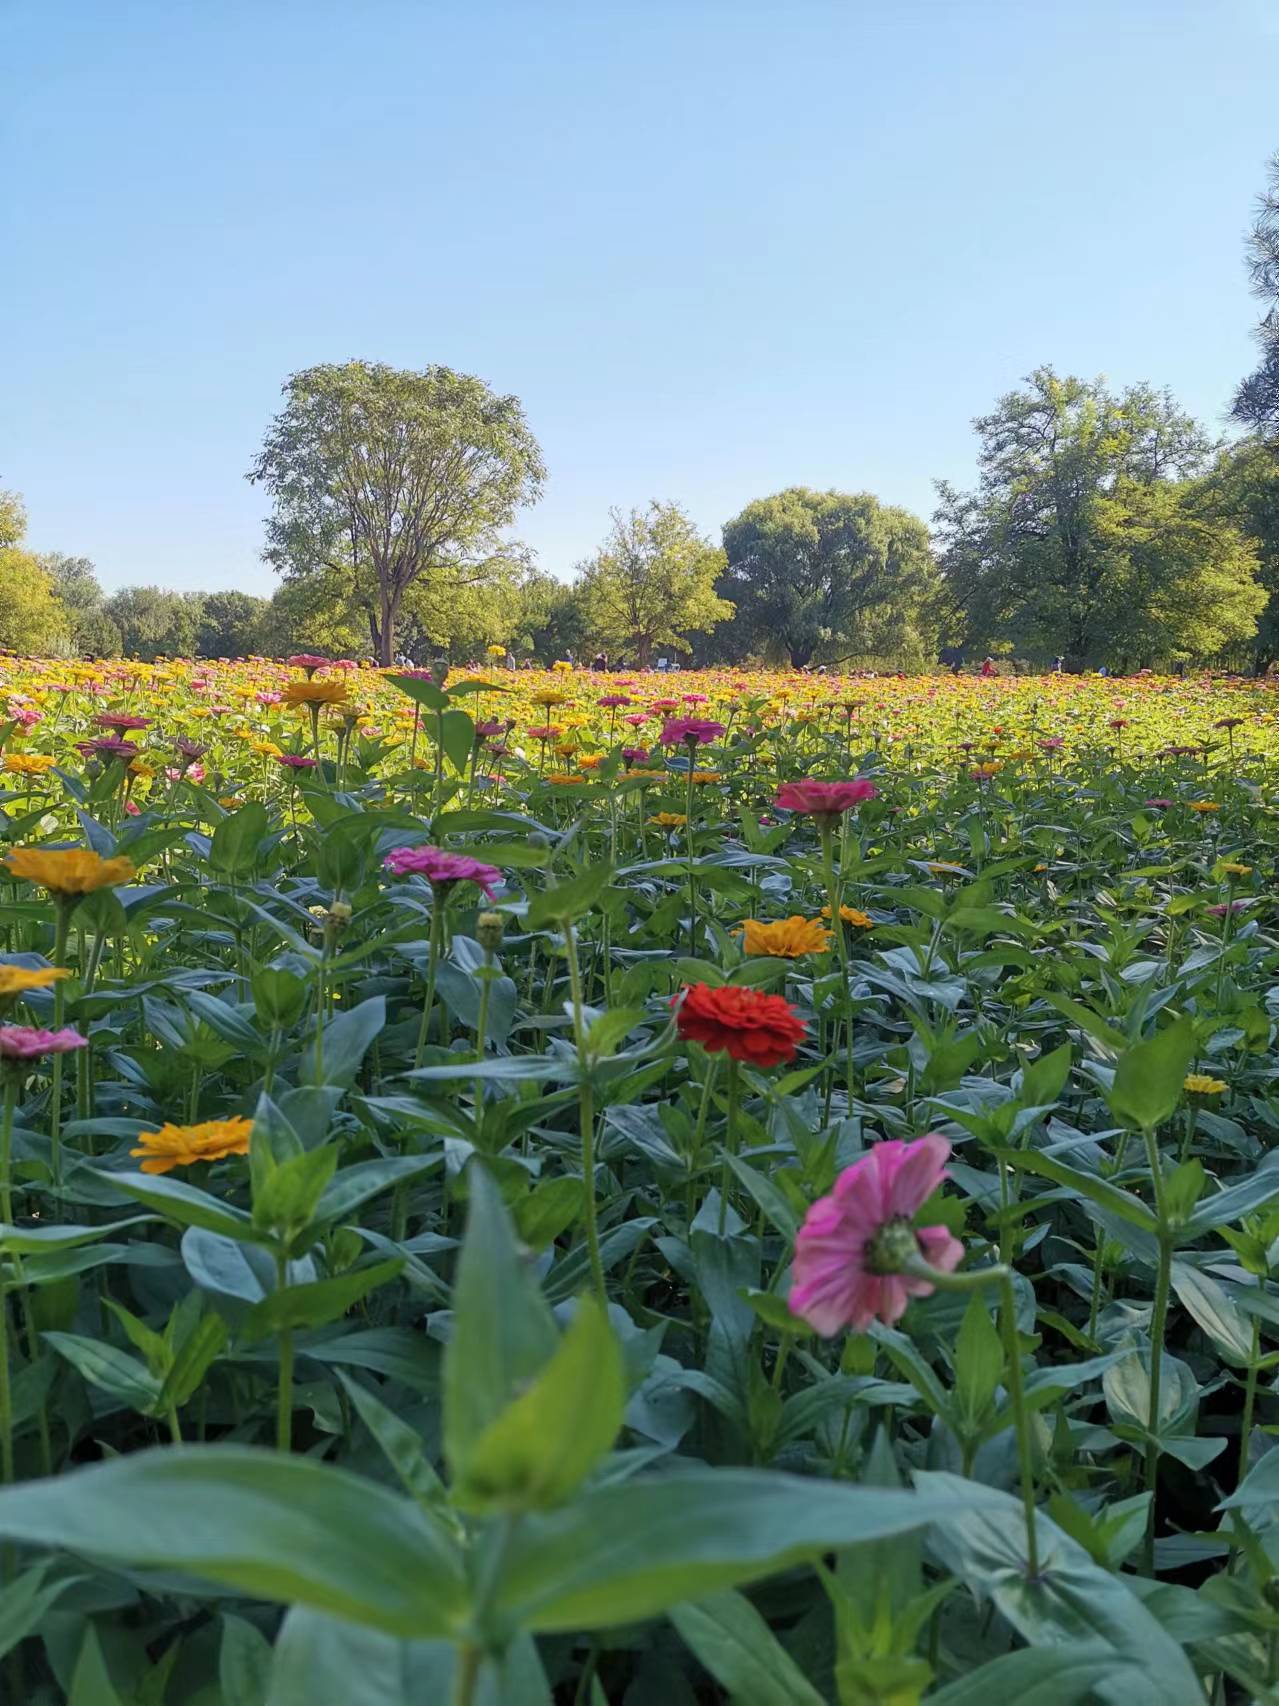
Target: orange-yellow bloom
{"type": "Point", "coordinates": [184, 1145]}
{"type": "Point", "coordinates": [315, 693]}
{"type": "Point", "coordinates": [17, 980]}
{"type": "Point", "coordinates": [785, 938]}
{"type": "Point", "coordinates": [69, 870]}
{"type": "Point", "coordinates": [851, 915]}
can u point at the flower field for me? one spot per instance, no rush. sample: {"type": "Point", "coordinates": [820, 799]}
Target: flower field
{"type": "Point", "coordinates": [651, 1189]}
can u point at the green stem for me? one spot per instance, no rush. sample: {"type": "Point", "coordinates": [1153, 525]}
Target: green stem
{"type": "Point", "coordinates": [1249, 1396]}
{"type": "Point", "coordinates": [586, 1116]}
{"type": "Point", "coordinates": [1158, 1324]}
{"type": "Point", "coordinates": [6, 1400]}
{"type": "Point", "coordinates": [6, 1146]}
{"type": "Point", "coordinates": [284, 1394]}
{"type": "Point", "coordinates": [64, 909]}
{"type": "Point", "coordinates": [437, 937]}
{"type": "Point", "coordinates": [730, 1144]}
{"type": "Point", "coordinates": [834, 901]}
{"type": "Point", "coordinates": [467, 1675]}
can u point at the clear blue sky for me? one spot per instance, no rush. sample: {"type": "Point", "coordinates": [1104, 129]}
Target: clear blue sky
{"type": "Point", "coordinates": [716, 246]}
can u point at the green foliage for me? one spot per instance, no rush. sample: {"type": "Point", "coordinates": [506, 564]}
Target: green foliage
{"type": "Point", "coordinates": [651, 582]}
{"type": "Point", "coordinates": [155, 623]}
{"type": "Point", "coordinates": [1085, 536]}
{"type": "Point", "coordinates": [825, 576]}
{"type": "Point", "coordinates": [389, 478]}
{"type": "Point", "coordinates": [1256, 402]}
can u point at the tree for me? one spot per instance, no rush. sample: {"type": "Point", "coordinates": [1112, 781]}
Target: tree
{"type": "Point", "coordinates": [651, 582]}
{"type": "Point", "coordinates": [154, 622]}
{"type": "Point", "coordinates": [1256, 402]}
{"type": "Point", "coordinates": [549, 620]}
{"type": "Point", "coordinates": [826, 575]}
{"type": "Point", "coordinates": [1063, 547]}
{"type": "Point", "coordinates": [31, 619]}
{"type": "Point", "coordinates": [389, 478]}
{"type": "Point", "coordinates": [230, 624]}
{"type": "Point", "coordinates": [1243, 489]}
{"type": "Point", "coordinates": [75, 582]}
{"type": "Point", "coordinates": [315, 613]}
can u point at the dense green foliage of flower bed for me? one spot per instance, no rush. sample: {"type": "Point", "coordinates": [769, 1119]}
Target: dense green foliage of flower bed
{"type": "Point", "coordinates": [409, 1258]}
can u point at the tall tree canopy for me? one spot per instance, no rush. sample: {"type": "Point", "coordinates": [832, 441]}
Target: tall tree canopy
{"type": "Point", "coordinates": [1243, 489]}
{"type": "Point", "coordinates": [230, 624]}
{"type": "Point", "coordinates": [154, 622]}
{"type": "Point", "coordinates": [391, 478]}
{"type": "Point", "coordinates": [31, 618]}
{"type": "Point", "coordinates": [75, 583]}
{"type": "Point", "coordinates": [1085, 537]}
{"type": "Point", "coordinates": [827, 575]}
{"type": "Point", "coordinates": [1256, 402]}
{"type": "Point", "coordinates": [651, 583]}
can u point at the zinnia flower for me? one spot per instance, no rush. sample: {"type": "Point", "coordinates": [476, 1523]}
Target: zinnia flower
{"type": "Point", "coordinates": [824, 799]}
{"type": "Point", "coordinates": [317, 693]}
{"type": "Point", "coordinates": [17, 980]}
{"type": "Point", "coordinates": [291, 760]}
{"type": "Point", "coordinates": [306, 661]}
{"type": "Point", "coordinates": [69, 870]}
{"type": "Point", "coordinates": [852, 915]}
{"type": "Point", "coordinates": [121, 723]}
{"type": "Point", "coordinates": [690, 731]}
{"type": "Point", "coordinates": [1201, 1084]}
{"type": "Point", "coordinates": [26, 1042]}
{"type": "Point", "coordinates": [785, 938]}
{"type": "Point", "coordinates": [183, 1145]}
{"type": "Point", "coordinates": [763, 1030]}
{"type": "Point", "coordinates": [440, 868]}
{"type": "Point", "coordinates": [668, 820]}
{"type": "Point", "coordinates": [850, 1250]}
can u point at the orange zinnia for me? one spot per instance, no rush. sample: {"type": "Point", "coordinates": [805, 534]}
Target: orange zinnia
{"type": "Point", "coordinates": [66, 871]}
{"type": "Point", "coordinates": [184, 1145]}
{"type": "Point", "coordinates": [785, 938]}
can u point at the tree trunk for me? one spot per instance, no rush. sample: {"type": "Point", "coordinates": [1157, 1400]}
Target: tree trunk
{"type": "Point", "coordinates": [643, 651]}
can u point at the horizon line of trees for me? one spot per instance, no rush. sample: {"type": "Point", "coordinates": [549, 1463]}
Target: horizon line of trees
{"type": "Point", "coordinates": [1105, 526]}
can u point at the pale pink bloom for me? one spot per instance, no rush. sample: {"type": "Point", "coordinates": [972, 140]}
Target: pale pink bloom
{"type": "Point", "coordinates": [437, 866]}
{"type": "Point", "coordinates": [834, 1284]}
{"type": "Point", "coordinates": [26, 1042]}
{"type": "Point", "coordinates": [824, 799]}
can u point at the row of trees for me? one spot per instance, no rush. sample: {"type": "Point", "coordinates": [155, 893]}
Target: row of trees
{"type": "Point", "coordinates": [1105, 526]}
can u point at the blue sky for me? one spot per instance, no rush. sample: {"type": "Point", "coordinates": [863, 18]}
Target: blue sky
{"type": "Point", "coordinates": [717, 247]}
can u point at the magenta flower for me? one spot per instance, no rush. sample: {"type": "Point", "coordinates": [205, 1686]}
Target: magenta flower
{"type": "Point", "coordinates": [635, 754]}
{"type": "Point", "coordinates": [120, 723]}
{"type": "Point", "coordinates": [611, 701]}
{"type": "Point", "coordinates": [824, 799]}
{"type": "Point", "coordinates": [26, 1042]}
{"type": "Point", "coordinates": [487, 729]}
{"type": "Point", "coordinates": [1160, 805]}
{"type": "Point", "coordinates": [690, 731]}
{"type": "Point", "coordinates": [112, 747]}
{"type": "Point", "coordinates": [440, 868]}
{"type": "Point", "coordinates": [295, 761]}
{"type": "Point", "coordinates": [307, 661]}
{"type": "Point", "coordinates": [1054, 743]}
{"type": "Point", "coordinates": [850, 1250]}
{"type": "Point", "coordinates": [1227, 907]}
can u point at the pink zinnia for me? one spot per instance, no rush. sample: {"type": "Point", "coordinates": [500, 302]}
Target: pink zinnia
{"type": "Point", "coordinates": [307, 661]}
{"type": "Point", "coordinates": [112, 747]}
{"type": "Point", "coordinates": [295, 761]}
{"type": "Point", "coordinates": [1054, 743]}
{"type": "Point", "coordinates": [611, 701]}
{"type": "Point", "coordinates": [824, 799]}
{"type": "Point", "coordinates": [439, 867]}
{"type": "Point", "coordinates": [120, 722]}
{"type": "Point", "coordinates": [26, 1042]}
{"type": "Point", "coordinates": [693, 731]}
{"type": "Point", "coordinates": [635, 754]}
{"type": "Point", "coordinates": [853, 1242]}
{"type": "Point", "coordinates": [1160, 805]}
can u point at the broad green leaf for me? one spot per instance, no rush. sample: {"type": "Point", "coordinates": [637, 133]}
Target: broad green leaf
{"type": "Point", "coordinates": [25, 1601]}
{"type": "Point", "coordinates": [108, 1368]}
{"type": "Point", "coordinates": [621, 1553]}
{"type": "Point", "coordinates": [979, 1362]}
{"type": "Point", "coordinates": [236, 844]}
{"type": "Point", "coordinates": [1063, 1674]}
{"type": "Point", "coordinates": [269, 1525]}
{"type": "Point", "coordinates": [503, 1331]}
{"type": "Point", "coordinates": [181, 1202]}
{"type": "Point", "coordinates": [403, 1449]}
{"type": "Point", "coordinates": [1147, 1087]}
{"type": "Point", "coordinates": [1213, 1310]}
{"type": "Point", "coordinates": [244, 1662]}
{"type": "Point", "coordinates": [91, 1683]}
{"type": "Point", "coordinates": [737, 1647]}
{"type": "Point", "coordinates": [320, 1302]}
{"type": "Point", "coordinates": [1090, 1185]}
{"type": "Point", "coordinates": [569, 899]}
{"type": "Point", "coordinates": [545, 1443]}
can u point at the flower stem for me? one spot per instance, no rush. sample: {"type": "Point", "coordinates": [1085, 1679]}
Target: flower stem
{"type": "Point", "coordinates": [1158, 1323]}
{"type": "Point", "coordinates": [586, 1115]}
{"type": "Point", "coordinates": [284, 1393]}
{"type": "Point", "coordinates": [437, 937]}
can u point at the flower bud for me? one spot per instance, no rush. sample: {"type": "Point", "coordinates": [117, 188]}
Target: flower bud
{"type": "Point", "coordinates": [488, 930]}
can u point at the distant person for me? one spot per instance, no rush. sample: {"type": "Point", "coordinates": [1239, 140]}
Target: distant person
{"type": "Point", "coordinates": [988, 668]}
{"type": "Point", "coordinates": [951, 658]}
{"type": "Point", "coordinates": [1059, 665]}
{"type": "Point", "coordinates": [601, 661]}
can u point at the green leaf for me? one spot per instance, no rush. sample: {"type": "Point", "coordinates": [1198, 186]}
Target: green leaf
{"type": "Point", "coordinates": [1070, 1599]}
{"type": "Point", "coordinates": [45, 1240]}
{"type": "Point", "coordinates": [180, 1202]}
{"type": "Point", "coordinates": [570, 899]}
{"type": "Point", "coordinates": [346, 1041]}
{"type": "Point", "coordinates": [458, 732]}
{"type": "Point", "coordinates": [1090, 1185]}
{"type": "Point", "coordinates": [236, 843]}
{"type": "Point", "coordinates": [244, 1662]}
{"type": "Point", "coordinates": [109, 1369]}
{"type": "Point", "coordinates": [196, 1355]}
{"type": "Point", "coordinates": [1043, 1080]}
{"type": "Point", "coordinates": [1147, 1087]}
{"type": "Point", "coordinates": [425, 692]}
{"type": "Point", "coordinates": [91, 1683]}
{"type": "Point", "coordinates": [979, 1362]}
{"type": "Point", "coordinates": [286, 1195]}
{"type": "Point", "coordinates": [401, 1446]}
{"type": "Point", "coordinates": [624, 1552]}
{"type": "Point", "coordinates": [26, 1600]}
{"type": "Point", "coordinates": [737, 1647]}
{"type": "Point", "coordinates": [1214, 1312]}
{"type": "Point", "coordinates": [549, 1209]}
{"type": "Point", "coordinates": [320, 1302]}
{"type": "Point", "coordinates": [354, 1186]}
{"type": "Point", "coordinates": [1065, 1674]}
{"type": "Point", "coordinates": [545, 1443]}
{"type": "Point", "coordinates": [269, 1525]}
{"type": "Point", "coordinates": [503, 1331]}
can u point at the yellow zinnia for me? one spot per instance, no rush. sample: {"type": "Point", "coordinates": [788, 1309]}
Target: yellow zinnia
{"type": "Point", "coordinates": [668, 820]}
{"type": "Point", "coordinates": [17, 980]}
{"type": "Point", "coordinates": [315, 693]}
{"type": "Point", "coordinates": [1204, 806]}
{"type": "Point", "coordinates": [184, 1145]}
{"type": "Point", "coordinates": [785, 938]}
{"type": "Point", "coordinates": [851, 915]}
{"type": "Point", "coordinates": [29, 763]}
{"type": "Point", "coordinates": [1229, 868]}
{"type": "Point", "coordinates": [69, 870]}
{"type": "Point", "coordinates": [1200, 1084]}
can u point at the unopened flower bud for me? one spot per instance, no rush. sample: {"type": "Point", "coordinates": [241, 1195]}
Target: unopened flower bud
{"type": "Point", "coordinates": [488, 930]}
{"type": "Point", "coordinates": [340, 912]}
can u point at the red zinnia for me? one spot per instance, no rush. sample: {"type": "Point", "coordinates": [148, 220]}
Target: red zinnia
{"type": "Point", "coordinates": [762, 1030]}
